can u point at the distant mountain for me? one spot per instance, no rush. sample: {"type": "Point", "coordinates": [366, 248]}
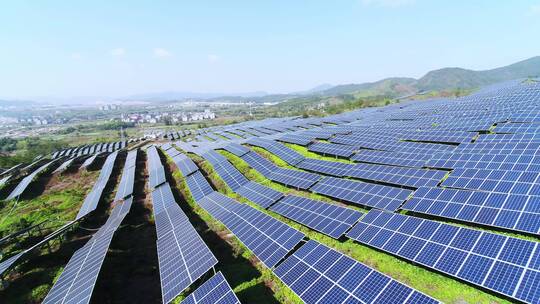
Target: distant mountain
{"type": "Point", "coordinates": [462, 78]}
{"type": "Point", "coordinates": [442, 79]}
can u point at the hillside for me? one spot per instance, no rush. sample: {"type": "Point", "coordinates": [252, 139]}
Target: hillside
{"type": "Point", "coordinates": [442, 79]}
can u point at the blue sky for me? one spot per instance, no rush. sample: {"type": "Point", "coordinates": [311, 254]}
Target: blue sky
{"type": "Point", "coordinates": [118, 48]}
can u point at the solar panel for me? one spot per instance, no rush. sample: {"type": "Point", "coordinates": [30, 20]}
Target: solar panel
{"type": "Point", "coordinates": [259, 194]}
{"type": "Point", "coordinates": [326, 218]}
{"type": "Point", "coordinates": [296, 139]}
{"type": "Point", "coordinates": [230, 175]}
{"type": "Point", "coordinates": [156, 176]}
{"type": "Point", "coordinates": [371, 195]}
{"type": "Point", "coordinates": [183, 256]}
{"type": "Point", "coordinates": [25, 182]}
{"type": "Point", "coordinates": [502, 264]}
{"type": "Point", "coordinates": [392, 158]}
{"type": "Point", "coordinates": [214, 291]}
{"type": "Point", "coordinates": [89, 161]}
{"type": "Point", "coordinates": [319, 274]}
{"type": "Point", "coordinates": [236, 149]}
{"type": "Point", "coordinates": [332, 149]}
{"type": "Point", "coordinates": [269, 239]}
{"type": "Point", "coordinates": [259, 163]}
{"type": "Point", "coordinates": [440, 136]}
{"type": "Point", "coordinates": [325, 167]}
{"type": "Point", "coordinates": [521, 162]}
{"type": "Point", "coordinates": [92, 199]}
{"type": "Point", "coordinates": [285, 153]}
{"type": "Point", "coordinates": [198, 186]}
{"type": "Point", "coordinates": [77, 281]}
{"type": "Point", "coordinates": [410, 177]}
{"type": "Point", "coordinates": [519, 182]}
{"type": "Point", "coordinates": [510, 211]}
{"type": "Point", "coordinates": [127, 180]}
{"type": "Point", "coordinates": [64, 166]}
{"type": "Point", "coordinates": [294, 178]}
{"type": "Point", "coordinates": [213, 157]}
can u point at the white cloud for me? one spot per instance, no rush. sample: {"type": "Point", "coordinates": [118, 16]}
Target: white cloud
{"type": "Point", "coordinates": [388, 3]}
{"type": "Point", "coordinates": [159, 52]}
{"type": "Point", "coordinates": [118, 52]}
{"type": "Point", "coordinates": [535, 10]}
{"type": "Point", "coordinates": [213, 58]}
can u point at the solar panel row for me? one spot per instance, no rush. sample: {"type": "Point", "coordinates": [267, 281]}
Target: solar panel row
{"type": "Point", "coordinates": [92, 199]}
{"type": "Point", "coordinates": [127, 181]}
{"type": "Point", "coordinates": [77, 281]}
{"type": "Point", "coordinates": [326, 218]}
{"type": "Point", "coordinates": [319, 274]}
{"type": "Point", "coordinates": [269, 239]}
{"type": "Point", "coordinates": [507, 265]}
{"type": "Point", "coordinates": [510, 211]}
{"type": "Point", "coordinates": [182, 254]}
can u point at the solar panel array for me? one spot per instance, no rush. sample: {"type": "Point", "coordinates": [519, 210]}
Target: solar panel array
{"type": "Point", "coordinates": [184, 163]}
{"type": "Point", "coordinates": [504, 210]}
{"type": "Point", "coordinates": [92, 199]}
{"type": "Point", "coordinates": [198, 186]}
{"type": "Point", "coordinates": [90, 149]}
{"type": "Point", "coordinates": [236, 149]}
{"type": "Point", "coordinates": [25, 182]}
{"type": "Point", "coordinates": [156, 171]}
{"type": "Point", "coordinates": [269, 239]}
{"type": "Point", "coordinates": [367, 194]}
{"type": "Point", "coordinates": [214, 291]}
{"type": "Point", "coordinates": [326, 218]}
{"type": "Point", "coordinates": [319, 274]}
{"type": "Point", "coordinates": [127, 181]}
{"type": "Point", "coordinates": [259, 194]}
{"type": "Point", "coordinates": [183, 256]}
{"type": "Point", "coordinates": [507, 265]}
{"type": "Point", "coordinates": [287, 154]}
{"type": "Point", "coordinates": [332, 149]}
{"type": "Point", "coordinates": [77, 281]}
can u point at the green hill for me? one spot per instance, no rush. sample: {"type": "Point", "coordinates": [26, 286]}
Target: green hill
{"type": "Point", "coordinates": [442, 79]}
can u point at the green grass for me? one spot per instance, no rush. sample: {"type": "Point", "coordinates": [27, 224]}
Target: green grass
{"type": "Point", "coordinates": [436, 285]}
{"type": "Point", "coordinates": [57, 205]}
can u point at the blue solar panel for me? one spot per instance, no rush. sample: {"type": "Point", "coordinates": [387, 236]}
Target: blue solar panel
{"type": "Point", "coordinates": [259, 194]}
{"type": "Point", "coordinates": [440, 136]}
{"type": "Point", "coordinates": [510, 162]}
{"type": "Point", "coordinates": [236, 149]}
{"type": "Point", "coordinates": [294, 178]}
{"type": "Point", "coordinates": [325, 167]}
{"type": "Point", "coordinates": [198, 186]}
{"type": "Point", "coordinates": [332, 149]}
{"type": "Point", "coordinates": [391, 158]}
{"type": "Point", "coordinates": [410, 177]}
{"type": "Point", "coordinates": [518, 182]}
{"type": "Point", "coordinates": [318, 274]}
{"type": "Point", "coordinates": [509, 211]}
{"type": "Point", "coordinates": [232, 177]}
{"type": "Point", "coordinates": [213, 157]}
{"type": "Point", "coordinates": [259, 163]}
{"type": "Point", "coordinates": [489, 260]}
{"type": "Point", "coordinates": [269, 239]}
{"type": "Point", "coordinates": [296, 139]}
{"type": "Point", "coordinates": [214, 291]}
{"type": "Point", "coordinates": [371, 195]}
{"type": "Point", "coordinates": [285, 153]}
{"type": "Point", "coordinates": [329, 219]}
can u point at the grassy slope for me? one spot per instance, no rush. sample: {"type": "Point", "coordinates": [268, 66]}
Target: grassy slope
{"type": "Point", "coordinates": [59, 203]}
{"type": "Point", "coordinates": [437, 285]}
